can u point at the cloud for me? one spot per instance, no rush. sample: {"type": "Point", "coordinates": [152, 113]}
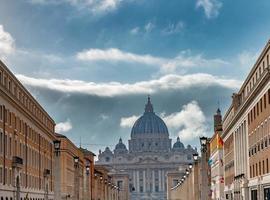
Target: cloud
{"type": "Point", "coordinates": [127, 122]}
{"type": "Point", "coordinates": [167, 65]}
{"type": "Point", "coordinates": [247, 59]}
{"type": "Point", "coordinates": [149, 27]}
{"type": "Point", "coordinates": [95, 6]}
{"type": "Point", "coordinates": [173, 28]}
{"type": "Point", "coordinates": [110, 89]}
{"type": "Point", "coordinates": [189, 123]}
{"type": "Point", "coordinates": [63, 127]}
{"type": "Point", "coordinates": [114, 54]}
{"type": "Point", "coordinates": [135, 30]}
{"type": "Point", "coordinates": [7, 43]}
{"type": "Point", "coordinates": [211, 7]}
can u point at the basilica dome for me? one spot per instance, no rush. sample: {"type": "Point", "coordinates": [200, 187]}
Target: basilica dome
{"type": "Point", "coordinates": [178, 145]}
{"type": "Point", "coordinates": [149, 123]}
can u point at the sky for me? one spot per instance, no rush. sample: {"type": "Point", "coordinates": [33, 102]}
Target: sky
{"type": "Point", "coordinates": [92, 63]}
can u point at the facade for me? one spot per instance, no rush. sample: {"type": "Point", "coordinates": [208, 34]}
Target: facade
{"type": "Point", "coordinates": [75, 171]}
{"type": "Point", "coordinates": [149, 158]}
{"type": "Point", "coordinates": [216, 159]}
{"type": "Point", "coordinates": [38, 164]}
{"type": "Point", "coordinates": [196, 181]}
{"type": "Point", "coordinates": [26, 143]}
{"type": "Point", "coordinates": [104, 185]}
{"type": "Point", "coordinates": [246, 135]}
{"type": "Point", "coordinates": [184, 186]}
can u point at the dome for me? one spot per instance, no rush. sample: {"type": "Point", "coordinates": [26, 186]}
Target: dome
{"type": "Point", "coordinates": [178, 144]}
{"type": "Point", "coordinates": [149, 123]}
{"type": "Point", "coordinates": [120, 145]}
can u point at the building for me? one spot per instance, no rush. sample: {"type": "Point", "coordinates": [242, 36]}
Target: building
{"type": "Point", "coordinates": [75, 171]}
{"type": "Point", "coordinates": [246, 135]}
{"type": "Point", "coordinates": [26, 143]}
{"type": "Point", "coordinates": [216, 159]}
{"type": "Point", "coordinates": [184, 186]}
{"type": "Point", "coordinates": [149, 157]}
{"type": "Point", "coordinates": [194, 183]}
{"type": "Point", "coordinates": [105, 187]}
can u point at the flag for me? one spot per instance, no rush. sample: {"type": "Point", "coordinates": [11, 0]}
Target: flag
{"type": "Point", "coordinates": [220, 142]}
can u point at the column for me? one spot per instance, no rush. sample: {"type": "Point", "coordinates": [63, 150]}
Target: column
{"type": "Point", "coordinates": [134, 181]}
{"type": "Point", "coordinates": [144, 181]}
{"type": "Point", "coordinates": [57, 176]}
{"type": "Point", "coordinates": [159, 179]}
{"type": "Point", "coordinates": [138, 179]}
{"type": "Point", "coordinates": [153, 180]}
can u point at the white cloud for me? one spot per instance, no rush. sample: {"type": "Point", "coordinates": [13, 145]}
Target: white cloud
{"type": "Point", "coordinates": [189, 123]}
{"type": "Point", "coordinates": [211, 7]}
{"type": "Point", "coordinates": [63, 127]}
{"type": "Point", "coordinates": [104, 117]}
{"type": "Point", "coordinates": [135, 30]}
{"type": "Point", "coordinates": [173, 28]}
{"type": "Point", "coordinates": [96, 6]}
{"type": "Point", "coordinates": [110, 89]}
{"type": "Point", "coordinates": [7, 43]}
{"type": "Point", "coordinates": [114, 54]}
{"type": "Point", "coordinates": [149, 27]}
{"type": "Point", "coordinates": [247, 59]}
{"type": "Point", "coordinates": [127, 122]}
{"type": "Point", "coordinates": [167, 65]}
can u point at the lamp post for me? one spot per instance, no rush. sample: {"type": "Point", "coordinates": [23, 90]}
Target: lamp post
{"type": "Point", "coordinates": [76, 178]}
{"type": "Point", "coordinates": [57, 172]}
{"type": "Point", "coordinates": [87, 181]}
{"type": "Point", "coordinates": [204, 168]}
{"type": "Point", "coordinates": [196, 176]}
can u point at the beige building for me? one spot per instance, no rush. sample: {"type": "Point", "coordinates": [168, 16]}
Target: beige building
{"type": "Point", "coordinates": [26, 143]}
{"type": "Point", "coordinates": [184, 184]}
{"type": "Point", "coordinates": [75, 170]}
{"type": "Point", "coordinates": [246, 135]}
{"type": "Point", "coordinates": [105, 187]}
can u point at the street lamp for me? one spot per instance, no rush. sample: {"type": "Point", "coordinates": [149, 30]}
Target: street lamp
{"type": "Point", "coordinates": [57, 145]}
{"type": "Point", "coordinates": [195, 157]}
{"type": "Point", "coordinates": [190, 166]}
{"type": "Point", "coordinates": [87, 170]}
{"type": "Point", "coordinates": [203, 141]}
{"type": "Point", "coordinates": [187, 172]}
{"type": "Point", "coordinates": [76, 159]}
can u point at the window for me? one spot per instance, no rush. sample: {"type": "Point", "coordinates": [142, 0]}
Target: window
{"type": "Point", "coordinates": [267, 166]}
{"type": "Point", "coordinates": [263, 167]}
{"type": "Point", "coordinates": [268, 96]}
{"type": "Point", "coordinates": [1, 175]}
{"type": "Point", "coordinates": [264, 100]}
{"type": "Point", "coordinates": [261, 104]}
{"type": "Point", "coordinates": [156, 188]}
{"type": "Point", "coordinates": [260, 169]}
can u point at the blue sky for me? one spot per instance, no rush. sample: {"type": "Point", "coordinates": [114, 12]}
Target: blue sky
{"type": "Point", "coordinates": [92, 63]}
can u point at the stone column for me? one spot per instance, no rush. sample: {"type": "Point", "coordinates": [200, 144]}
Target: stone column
{"type": "Point", "coordinates": [153, 180]}
{"type": "Point", "coordinates": [57, 176]}
{"type": "Point", "coordinates": [196, 180]}
{"type": "Point", "coordinates": [138, 180]}
{"type": "Point", "coordinates": [159, 179]}
{"type": "Point", "coordinates": [144, 181]}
